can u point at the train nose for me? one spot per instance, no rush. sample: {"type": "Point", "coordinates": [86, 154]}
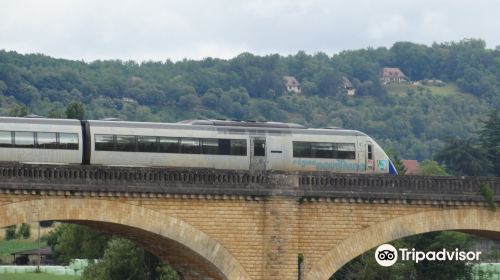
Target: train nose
{"type": "Point", "coordinates": [392, 168]}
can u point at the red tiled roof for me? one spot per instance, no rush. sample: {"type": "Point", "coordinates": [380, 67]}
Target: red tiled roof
{"type": "Point", "coordinates": [290, 81]}
{"type": "Point", "coordinates": [412, 166]}
{"type": "Point", "coordinates": [392, 72]}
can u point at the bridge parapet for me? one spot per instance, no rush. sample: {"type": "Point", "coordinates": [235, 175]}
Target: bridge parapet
{"type": "Point", "coordinates": [70, 179]}
{"type": "Point", "coordinates": [445, 188]}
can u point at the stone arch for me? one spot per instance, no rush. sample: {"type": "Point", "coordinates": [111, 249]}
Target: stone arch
{"type": "Point", "coordinates": [159, 230]}
{"type": "Point", "coordinates": [472, 220]}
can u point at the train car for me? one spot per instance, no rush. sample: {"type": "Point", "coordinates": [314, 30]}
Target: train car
{"type": "Point", "coordinates": [234, 145]}
{"type": "Point", "coordinates": [255, 146]}
{"type": "Point", "coordinates": [40, 140]}
{"type": "Point", "coordinates": [165, 144]}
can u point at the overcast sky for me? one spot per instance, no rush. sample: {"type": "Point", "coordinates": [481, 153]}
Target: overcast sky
{"type": "Point", "coordinates": [160, 30]}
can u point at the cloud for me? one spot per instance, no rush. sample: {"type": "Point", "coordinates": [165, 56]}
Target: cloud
{"type": "Point", "coordinates": [160, 30]}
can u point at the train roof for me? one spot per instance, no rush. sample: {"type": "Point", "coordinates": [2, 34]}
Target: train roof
{"type": "Point", "coordinates": [243, 123]}
{"type": "Point", "coordinates": [38, 120]}
{"type": "Point", "coordinates": [234, 127]}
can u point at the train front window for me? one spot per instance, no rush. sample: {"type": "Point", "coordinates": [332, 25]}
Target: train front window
{"type": "Point", "coordinates": [370, 153]}
{"type": "Point", "coordinates": [104, 142]}
{"type": "Point", "coordinates": [5, 139]}
{"type": "Point", "coordinates": [46, 140]}
{"type": "Point", "coordinates": [24, 139]}
{"type": "Point", "coordinates": [68, 141]}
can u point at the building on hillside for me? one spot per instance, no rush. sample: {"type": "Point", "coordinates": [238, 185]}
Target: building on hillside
{"type": "Point", "coordinates": [134, 80]}
{"type": "Point", "coordinates": [291, 84]}
{"type": "Point", "coordinates": [348, 87]}
{"type": "Point", "coordinates": [412, 166]}
{"type": "Point", "coordinates": [390, 75]}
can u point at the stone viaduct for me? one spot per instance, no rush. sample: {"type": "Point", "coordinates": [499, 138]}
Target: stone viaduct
{"type": "Point", "coordinates": [212, 224]}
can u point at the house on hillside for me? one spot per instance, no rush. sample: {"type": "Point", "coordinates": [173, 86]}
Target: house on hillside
{"type": "Point", "coordinates": [348, 87]}
{"type": "Point", "coordinates": [291, 84]}
{"type": "Point", "coordinates": [390, 75]}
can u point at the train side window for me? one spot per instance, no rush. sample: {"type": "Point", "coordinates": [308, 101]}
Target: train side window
{"type": "Point", "coordinates": [23, 139]}
{"type": "Point", "coordinates": [5, 139]}
{"type": "Point", "coordinates": [239, 147]}
{"type": "Point", "coordinates": [224, 146]}
{"type": "Point", "coordinates": [370, 153]}
{"type": "Point", "coordinates": [259, 147]}
{"type": "Point", "coordinates": [68, 141]}
{"type": "Point", "coordinates": [322, 150]}
{"type": "Point", "coordinates": [190, 145]}
{"type": "Point", "coordinates": [125, 143]}
{"type": "Point", "coordinates": [169, 145]}
{"type": "Point", "coordinates": [46, 140]}
{"type": "Point", "coordinates": [147, 144]}
{"type": "Point", "coordinates": [104, 142]}
{"type": "Point", "coordinates": [210, 146]}
{"type": "Point", "coordinates": [302, 149]}
{"type": "Point", "coordinates": [346, 151]}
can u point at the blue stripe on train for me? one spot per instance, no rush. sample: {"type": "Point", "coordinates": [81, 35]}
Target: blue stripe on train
{"type": "Point", "coordinates": [392, 169]}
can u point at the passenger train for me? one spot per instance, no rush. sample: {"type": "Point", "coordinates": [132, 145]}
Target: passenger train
{"type": "Point", "coordinates": [254, 146]}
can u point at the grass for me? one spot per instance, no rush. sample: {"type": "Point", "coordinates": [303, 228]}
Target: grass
{"type": "Point", "coordinates": [15, 245]}
{"type": "Point", "coordinates": [35, 276]}
{"type": "Point", "coordinates": [449, 89]}
{"type": "Point", "coordinates": [402, 89]}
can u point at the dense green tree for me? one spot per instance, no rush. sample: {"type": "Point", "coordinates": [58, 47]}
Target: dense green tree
{"type": "Point", "coordinates": [75, 110]}
{"type": "Point", "coordinates": [24, 231]}
{"type": "Point", "coordinates": [410, 118]}
{"type": "Point", "coordinates": [18, 111]}
{"type": "Point", "coordinates": [10, 232]}
{"type": "Point", "coordinates": [54, 113]}
{"type": "Point", "coordinates": [435, 241]}
{"type": "Point", "coordinates": [124, 260]}
{"type": "Point", "coordinates": [364, 267]}
{"type": "Point", "coordinates": [432, 168]}
{"type": "Point", "coordinates": [117, 256]}
{"type": "Point", "coordinates": [74, 241]}
{"type": "Point", "coordinates": [490, 141]}
{"type": "Point", "coordinates": [121, 261]}
{"type": "Point", "coordinates": [3, 87]}
{"type": "Point", "coordinates": [464, 157]}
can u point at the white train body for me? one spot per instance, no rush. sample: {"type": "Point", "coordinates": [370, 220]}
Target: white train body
{"type": "Point", "coordinates": [197, 144]}
{"type": "Point", "coordinates": [40, 140]}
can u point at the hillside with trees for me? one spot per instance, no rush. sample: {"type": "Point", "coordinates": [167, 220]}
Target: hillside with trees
{"type": "Point", "coordinates": [413, 120]}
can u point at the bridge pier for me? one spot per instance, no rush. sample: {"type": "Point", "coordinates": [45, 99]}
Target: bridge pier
{"type": "Point", "coordinates": [281, 242]}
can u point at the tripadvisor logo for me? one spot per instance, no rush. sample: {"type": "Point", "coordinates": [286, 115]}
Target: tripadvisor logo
{"type": "Point", "coordinates": [387, 255]}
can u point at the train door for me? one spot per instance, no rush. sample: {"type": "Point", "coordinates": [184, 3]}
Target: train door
{"type": "Point", "coordinates": [369, 156]}
{"type": "Point", "coordinates": [257, 153]}
{"type": "Point", "coordinates": [277, 153]}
